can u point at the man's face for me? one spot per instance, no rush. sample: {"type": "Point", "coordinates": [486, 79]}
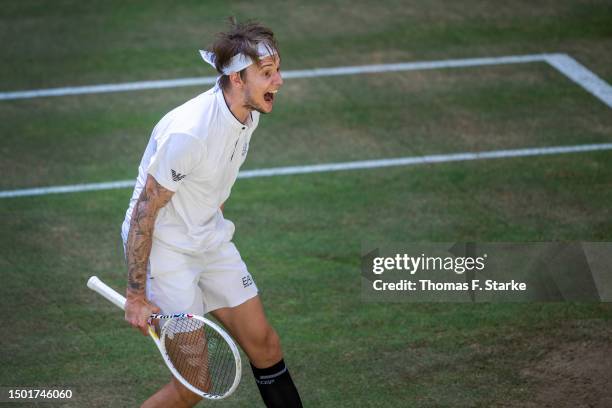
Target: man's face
{"type": "Point", "coordinates": [261, 84]}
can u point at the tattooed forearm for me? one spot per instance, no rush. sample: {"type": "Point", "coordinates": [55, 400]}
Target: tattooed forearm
{"type": "Point", "coordinates": [140, 239]}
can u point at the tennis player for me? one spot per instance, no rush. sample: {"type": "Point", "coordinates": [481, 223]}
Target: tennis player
{"type": "Point", "coordinates": [179, 248]}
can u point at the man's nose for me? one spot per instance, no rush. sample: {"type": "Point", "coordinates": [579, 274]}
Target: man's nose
{"type": "Point", "coordinates": [279, 79]}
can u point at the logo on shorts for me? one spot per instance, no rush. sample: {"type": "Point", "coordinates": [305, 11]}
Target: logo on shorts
{"type": "Point", "coordinates": [247, 281]}
{"type": "Point", "coordinates": [177, 176]}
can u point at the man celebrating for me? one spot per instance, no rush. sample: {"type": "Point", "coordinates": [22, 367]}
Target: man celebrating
{"type": "Point", "coordinates": [178, 244]}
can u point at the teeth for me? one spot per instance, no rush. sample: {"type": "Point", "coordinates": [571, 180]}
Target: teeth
{"type": "Point", "coordinates": [274, 91]}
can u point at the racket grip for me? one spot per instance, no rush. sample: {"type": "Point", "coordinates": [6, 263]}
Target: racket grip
{"type": "Point", "coordinates": [109, 293]}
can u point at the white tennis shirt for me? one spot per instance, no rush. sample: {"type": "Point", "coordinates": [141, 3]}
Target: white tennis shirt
{"type": "Point", "coordinates": [196, 151]}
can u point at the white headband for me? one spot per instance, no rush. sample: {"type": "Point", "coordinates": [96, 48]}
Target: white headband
{"type": "Point", "coordinates": [238, 61]}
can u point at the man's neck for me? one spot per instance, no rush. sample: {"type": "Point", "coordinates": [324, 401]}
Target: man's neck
{"type": "Point", "coordinates": [235, 103]}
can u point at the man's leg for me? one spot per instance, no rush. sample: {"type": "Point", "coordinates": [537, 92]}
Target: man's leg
{"type": "Point", "coordinates": [173, 394]}
{"type": "Point", "coordinates": [247, 323]}
{"type": "Point", "coordinates": [172, 285]}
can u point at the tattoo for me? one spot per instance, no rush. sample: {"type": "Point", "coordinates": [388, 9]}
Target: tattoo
{"type": "Point", "coordinates": [140, 239]}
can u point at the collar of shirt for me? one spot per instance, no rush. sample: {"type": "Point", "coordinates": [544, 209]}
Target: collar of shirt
{"type": "Point", "coordinates": [227, 113]}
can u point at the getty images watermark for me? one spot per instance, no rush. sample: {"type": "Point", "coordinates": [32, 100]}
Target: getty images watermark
{"type": "Point", "coordinates": [487, 272]}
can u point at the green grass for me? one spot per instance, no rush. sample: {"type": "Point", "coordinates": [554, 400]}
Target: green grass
{"type": "Point", "coordinates": [309, 277]}
{"type": "Point", "coordinates": [301, 235]}
{"type": "Point", "coordinates": [110, 41]}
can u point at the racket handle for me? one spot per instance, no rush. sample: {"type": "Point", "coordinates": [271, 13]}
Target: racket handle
{"type": "Point", "coordinates": [109, 293]}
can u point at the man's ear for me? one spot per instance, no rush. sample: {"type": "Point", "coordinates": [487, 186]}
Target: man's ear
{"type": "Point", "coordinates": [236, 80]}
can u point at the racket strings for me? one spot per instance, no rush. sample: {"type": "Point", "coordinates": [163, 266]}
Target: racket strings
{"type": "Point", "coordinates": [200, 355]}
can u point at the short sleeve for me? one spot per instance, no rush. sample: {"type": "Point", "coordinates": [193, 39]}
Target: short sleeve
{"type": "Point", "coordinates": [175, 159]}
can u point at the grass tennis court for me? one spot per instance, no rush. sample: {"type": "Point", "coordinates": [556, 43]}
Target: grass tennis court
{"type": "Point", "coordinates": [301, 235]}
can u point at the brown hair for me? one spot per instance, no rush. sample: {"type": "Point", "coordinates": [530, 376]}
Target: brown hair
{"type": "Point", "coordinates": [241, 38]}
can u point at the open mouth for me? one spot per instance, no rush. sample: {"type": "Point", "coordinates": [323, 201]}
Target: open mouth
{"type": "Point", "coordinates": [269, 96]}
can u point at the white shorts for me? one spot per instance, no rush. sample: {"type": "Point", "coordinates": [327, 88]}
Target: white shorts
{"type": "Point", "coordinates": [181, 283]}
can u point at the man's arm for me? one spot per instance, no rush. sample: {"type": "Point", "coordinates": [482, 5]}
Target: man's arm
{"type": "Point", "coordinates": [140, 239]}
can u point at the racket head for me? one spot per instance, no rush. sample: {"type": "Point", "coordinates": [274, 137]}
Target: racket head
{"type": "Point", "coordinates": [201, 355]}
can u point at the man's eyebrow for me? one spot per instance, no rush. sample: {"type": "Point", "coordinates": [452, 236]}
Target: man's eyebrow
{"type": "Point", "coordinates": [266, 64]}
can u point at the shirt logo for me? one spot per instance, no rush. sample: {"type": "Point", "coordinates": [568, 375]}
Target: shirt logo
{"type": "Point", "coordinates": [177, 176]}
{"type": "Point", "coordinates": [245, 148]}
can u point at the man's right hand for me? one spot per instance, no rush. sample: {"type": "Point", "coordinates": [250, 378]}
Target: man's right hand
{"type": "Point", "coordinates": [137, 312]}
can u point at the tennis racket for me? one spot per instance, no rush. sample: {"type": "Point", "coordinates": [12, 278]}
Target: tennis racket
{"type": "Point", "coordinates": [199, 353]}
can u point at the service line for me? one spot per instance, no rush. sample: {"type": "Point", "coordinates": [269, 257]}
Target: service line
{"type": "Point", "coordinates": [331, 167]}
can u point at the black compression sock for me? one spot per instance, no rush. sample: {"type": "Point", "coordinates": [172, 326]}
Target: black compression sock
{"type": "Point", "coordinates": [276, 386]}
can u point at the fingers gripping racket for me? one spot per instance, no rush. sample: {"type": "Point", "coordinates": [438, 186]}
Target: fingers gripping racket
{"type": "Point", "coordinates": [199, 353]}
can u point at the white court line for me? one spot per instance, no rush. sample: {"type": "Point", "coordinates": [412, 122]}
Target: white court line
{"type": "Point", "coordinates": [562, 62]}
{"type": "Point", "coordinates": [319, 168]}
{"type": "Point", "coordinates": [306, 73]}
{"type": "Point", "coordinates": [582, 76]}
